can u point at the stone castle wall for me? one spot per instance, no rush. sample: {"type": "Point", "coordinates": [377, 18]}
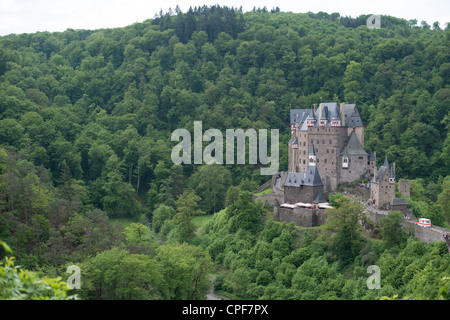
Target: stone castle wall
{"type": "Point", "coordinates": [303, 217]}
{"type": "Point", "coordinates": [425, 234]}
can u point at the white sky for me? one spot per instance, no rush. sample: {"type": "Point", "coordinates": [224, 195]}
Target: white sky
{"type": "Point", "coordinates": [28, 16]}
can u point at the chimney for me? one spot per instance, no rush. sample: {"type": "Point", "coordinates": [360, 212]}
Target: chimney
{"type": "Point", "coordinates": [341, 114]}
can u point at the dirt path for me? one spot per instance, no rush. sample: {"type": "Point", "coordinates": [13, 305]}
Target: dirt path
{"type": "Point", "coordinates": [212, 295]}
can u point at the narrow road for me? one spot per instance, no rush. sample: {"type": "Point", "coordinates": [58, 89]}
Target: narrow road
{"type": "Point", "coordinates": [212, 295]}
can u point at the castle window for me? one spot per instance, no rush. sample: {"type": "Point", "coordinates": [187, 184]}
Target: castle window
{"type": "Point", "coordinates": [317, 141]}
{"type": "Point", "coordinates": [332, 150]}
{"type": "Point", "coordinates": [325, 160]}
{"type": "Point", "coordinates": [303, 161]}
{"type": "Point", "coordinates": [328, 150]}
{"type": "Point", "coordinates": [330, 141]}
{"type": "Point", "coordinates": [323, 141]}
{"type": "Point", "coordinates": [345, 162]}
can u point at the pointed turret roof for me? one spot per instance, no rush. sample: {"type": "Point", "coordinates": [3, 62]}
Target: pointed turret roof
{"type": "Point", "coordinates": [391, 174]}
{"type": "Point", "coordinates": [312, 177]}
{"type": "Point", "coordinates": [371, 156]}
{"type": "Point", "coordinates": [386, 162]}
{"type": "Point", "coordinates": [319, 198]}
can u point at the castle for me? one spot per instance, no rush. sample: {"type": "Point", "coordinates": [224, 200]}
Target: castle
{"type": "Point", "coordinates": [326, 149]}
{"type": "Point", "coordinates": [337, 134]}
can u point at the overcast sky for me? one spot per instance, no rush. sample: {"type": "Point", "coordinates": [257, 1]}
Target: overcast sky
{"type": "Point", "coordinates": [26, 16]}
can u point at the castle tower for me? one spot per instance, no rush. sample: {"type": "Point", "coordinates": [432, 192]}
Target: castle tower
{"type": "Point", "coordinates": [382, 188]}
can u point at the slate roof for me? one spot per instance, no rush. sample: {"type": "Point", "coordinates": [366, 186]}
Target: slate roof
{"type": "Point", "coordinates": [335, 115]}
{"type": "Point", "coordinates": [398, 202]}
{"type": "Point", "coordinates": [319, 198]}
{"type": "Point", "coordinates": [329, 111]}
{"type": "Point", "coordinates": [294, 179]}
{"type": "Point", "coordinates": [353, 147]}
{"type": "Point", "coordinates": [382, 170]}
{"type": "Point", "coordinates": [297, 115]}
{"type": "Point", "coordinates": [371, 156]}
{"type": "Point", "coordinates": [312, 177]}
{"type": "Point", "coordinates": [309, 178]}
{"type": "Point", "coordinates": [351, 116]}
{"type": "Point", "coordinates": [391, 174]}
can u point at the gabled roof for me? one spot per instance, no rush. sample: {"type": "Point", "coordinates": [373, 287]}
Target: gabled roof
{"type": "Point", "coordinates": [353, 147]}
{"type": "Point", "coordinates": [351, 116]}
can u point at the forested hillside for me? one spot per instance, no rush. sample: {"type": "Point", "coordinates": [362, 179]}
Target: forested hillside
{"type": "Point", "coordinates": [86, 118]}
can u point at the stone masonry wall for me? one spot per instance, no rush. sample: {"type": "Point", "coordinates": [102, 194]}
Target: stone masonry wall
{"type": "Point", "coordinates": [425, 234]}
{"type": "Point", "coordinates": [302, 216]}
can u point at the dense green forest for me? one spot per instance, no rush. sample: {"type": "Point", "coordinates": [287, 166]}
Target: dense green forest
{"type": "Point", "coordinates": [86, 175]}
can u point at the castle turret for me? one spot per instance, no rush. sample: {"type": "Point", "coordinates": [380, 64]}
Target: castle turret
{"type": "Point", "coordinates": [392, 176]}
{"type": "Point", "coordinates": [311, 119]}
{"type": "Point", "coordinates": [335, 118]}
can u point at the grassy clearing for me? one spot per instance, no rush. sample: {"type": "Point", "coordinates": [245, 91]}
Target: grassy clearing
{"type": "Point", "coordinates": [125, 222]}
{"type": "Point", "coordinates": [199, 221]}
{"type": "Point", "coordinates": [267, 191]}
